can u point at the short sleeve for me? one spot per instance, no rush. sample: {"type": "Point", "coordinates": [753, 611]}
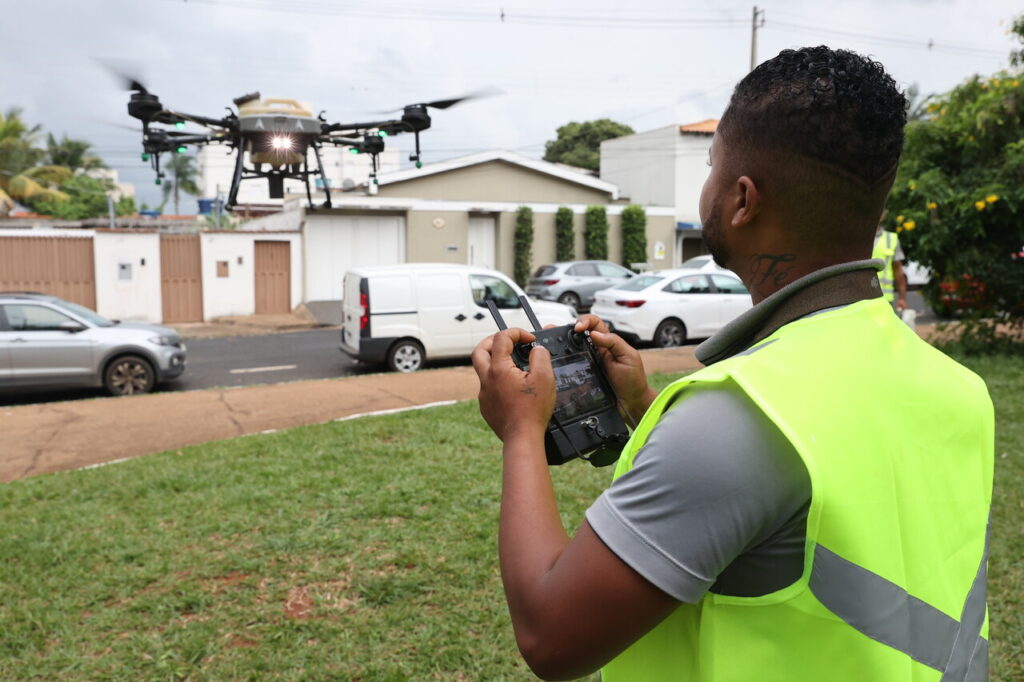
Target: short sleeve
{"type": "Point", "coordinates": [715, 480]}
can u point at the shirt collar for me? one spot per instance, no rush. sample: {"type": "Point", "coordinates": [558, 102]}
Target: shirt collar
{"type": "Point", "coordinates": [829, 287]}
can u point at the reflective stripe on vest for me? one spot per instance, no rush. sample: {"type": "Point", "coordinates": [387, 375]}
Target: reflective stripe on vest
{"type": "Point", "coordinates": [885, 249]}
{"type": "Point", "coordinates": [894, 581]}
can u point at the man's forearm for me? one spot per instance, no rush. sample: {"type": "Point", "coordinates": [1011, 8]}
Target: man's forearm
{"type": "Point", "coordinates": [531, 536]}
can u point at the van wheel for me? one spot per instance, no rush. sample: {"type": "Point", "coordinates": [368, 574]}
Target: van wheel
{"type": "Point", "coordinates": [128, 375]}
{"type": "Point", "coordinates": [669, 334]}
{"type": "Point", "coordinates": [405, 356]}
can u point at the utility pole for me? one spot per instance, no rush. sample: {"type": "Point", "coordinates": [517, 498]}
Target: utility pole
{"type": "Point", "coordinates": [756, 22]}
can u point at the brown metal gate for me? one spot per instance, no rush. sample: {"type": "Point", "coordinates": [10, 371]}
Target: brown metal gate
{"type": "Point", "coordinates": [59, 266]}
{"type": "Point", "coordinates": [273, 277]}
{"type": "Point", "coordinates": [181, 278]}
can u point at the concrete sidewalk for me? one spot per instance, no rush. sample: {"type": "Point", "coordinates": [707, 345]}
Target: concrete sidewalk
{"type": "Point", "coordinates": [48, 437]}
{"type": "Point", "coordinates": [249, 325]}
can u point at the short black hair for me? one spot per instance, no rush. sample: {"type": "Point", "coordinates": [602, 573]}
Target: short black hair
{"type": "Point", "coordinates": [835, 107]}
{"type": "Point", "coordinates": [823, 129]}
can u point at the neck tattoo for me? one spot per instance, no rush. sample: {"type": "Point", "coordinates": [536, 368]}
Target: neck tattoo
{"type": "Point", "coordinates": [771, 268]}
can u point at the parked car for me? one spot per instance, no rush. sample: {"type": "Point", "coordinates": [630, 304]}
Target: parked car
{"type": "Point", "coordinates": [46, 341]}
{"type": "Point", "coordinates": [574, 283]}
{"type": "Point", "coordinates": [704, 263]}
{"type": "Point", "coordinates": [403, 315]}
{"type": "Point", "coordinates": [668, 307]}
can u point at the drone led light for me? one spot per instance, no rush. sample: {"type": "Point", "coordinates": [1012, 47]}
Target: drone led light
{"type": "Point", "coordinates": [282, 143]}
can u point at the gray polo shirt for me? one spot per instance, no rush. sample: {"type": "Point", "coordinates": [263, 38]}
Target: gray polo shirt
{"type": "Point", "coordinates": [717, 498]}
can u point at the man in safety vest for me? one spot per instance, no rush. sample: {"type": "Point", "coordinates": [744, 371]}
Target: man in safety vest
{"type": "Point", "coordinates": [770, 517]}
{"type": "Point", "coordinates": [892, 277]}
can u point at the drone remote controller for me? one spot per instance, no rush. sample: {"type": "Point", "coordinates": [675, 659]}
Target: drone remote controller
{"type": "Point", "coordinates": [586, 421]}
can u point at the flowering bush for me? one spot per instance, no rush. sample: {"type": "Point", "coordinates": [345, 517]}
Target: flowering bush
{"type": "Point", "coordinates": [958, 199]}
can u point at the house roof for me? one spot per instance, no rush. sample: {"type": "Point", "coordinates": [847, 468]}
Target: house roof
{"type": "Point", "coordinates": [705, 127]}
{"type": "Point", "coordinates": [551, 169]}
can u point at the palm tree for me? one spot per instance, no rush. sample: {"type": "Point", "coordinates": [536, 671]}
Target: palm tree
{"type": "Point", "coordinates": [20, 178]}
{"type": "Point", "coordinates": [71, 153]}
{"type": "Point", "coordinates": [183, 173]}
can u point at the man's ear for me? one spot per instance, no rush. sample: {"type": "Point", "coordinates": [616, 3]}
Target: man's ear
{"type": "Point", "coordinates": [747, 202]}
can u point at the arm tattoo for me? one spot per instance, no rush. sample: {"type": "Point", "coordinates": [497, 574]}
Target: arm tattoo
{"type": "Point", "coordinates": [771, 268]}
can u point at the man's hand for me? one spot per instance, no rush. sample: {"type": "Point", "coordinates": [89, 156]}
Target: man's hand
{"type": "Point", "coordinates": [624, 367]}
{"type": "Point", "coordinates": [513, 402]}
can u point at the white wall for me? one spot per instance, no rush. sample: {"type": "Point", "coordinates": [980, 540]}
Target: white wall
{"type": "Point", "coordinates": [691, 171]}
{"type": "Point", "coordinates": [135, 256]}
{"type": "Point", "coordinates": [236, 293]}
{"type": "Point", "coordinates": [642, 165]}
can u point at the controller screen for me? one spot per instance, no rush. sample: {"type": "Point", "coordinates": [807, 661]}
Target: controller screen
{"type": "Point", "coordinates": [578, 390]}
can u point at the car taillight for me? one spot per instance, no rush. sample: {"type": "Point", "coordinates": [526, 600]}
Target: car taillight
{"type": "Point", "coordinates": [364, 319]}
{"type": "Point", "coordinates": [630, 303]}
{"type": "Point", "coordinates": [550, 282]}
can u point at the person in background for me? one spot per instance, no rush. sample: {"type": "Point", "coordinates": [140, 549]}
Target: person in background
{"type": "Point", "coordinates": [892, 277]}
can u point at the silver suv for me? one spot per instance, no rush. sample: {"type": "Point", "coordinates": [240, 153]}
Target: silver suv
{"type": "Point", "coordinates": [46, 341]}
{"type": "Point", "coordinates": [574, 283]}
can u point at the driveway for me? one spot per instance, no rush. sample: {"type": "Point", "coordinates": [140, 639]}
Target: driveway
{"type": "Point", "coordinates": [50, 437]}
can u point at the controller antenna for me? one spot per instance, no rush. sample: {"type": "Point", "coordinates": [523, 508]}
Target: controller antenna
{"type": "Point", "coordinates": [525, 302]}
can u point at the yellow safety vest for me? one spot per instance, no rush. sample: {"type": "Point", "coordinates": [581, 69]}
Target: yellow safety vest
{"type": "Point", "coordinates": [885, 249]}
{"type": "Point", "coordinates": [893, 587]}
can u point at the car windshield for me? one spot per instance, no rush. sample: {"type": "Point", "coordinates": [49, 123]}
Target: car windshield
{"type": "Point", "coordinates": [696, 262]}
{"type": "Point", "coordinates": [639, 282]}
{"type": "Point", "coordinates": [91, 316]}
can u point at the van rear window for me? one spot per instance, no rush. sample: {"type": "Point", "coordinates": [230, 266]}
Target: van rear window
{"type": "Point", "coordinates": [545, 270]}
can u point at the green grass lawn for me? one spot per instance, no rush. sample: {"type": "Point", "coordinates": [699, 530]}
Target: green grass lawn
{"type": "Point", "coordinates": [359, 550]}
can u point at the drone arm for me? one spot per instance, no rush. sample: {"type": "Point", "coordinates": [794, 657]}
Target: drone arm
{"type": "Point", "coordinates": [357, 127]}
{"type": "Point", "coordinates": [171, 117]}
{"type": "Point", "coordinates": [236, 180]}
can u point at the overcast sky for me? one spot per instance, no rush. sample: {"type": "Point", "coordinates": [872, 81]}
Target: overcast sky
{"type": "Point", "coordinates": [647, 63]}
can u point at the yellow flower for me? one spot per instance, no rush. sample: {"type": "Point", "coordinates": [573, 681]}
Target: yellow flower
{"type": "Point", "coordinates": [1016, 83]}
{"type": "Point", "coordinates": [992, 198]}
{"type": "Point", "coordinates": [932, 206]}
{"type": "Point", "coordinates": [909, 225]}
{"type": "Point", "coordinates": [980, 205]}
{"type": "Point", "coordinates": [899, 219]}
{"type": "Point", "coordinates": [970, 138]}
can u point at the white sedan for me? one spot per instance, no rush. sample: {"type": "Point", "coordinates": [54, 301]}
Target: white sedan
{"type": "Point", "coordinates": [668, 307]}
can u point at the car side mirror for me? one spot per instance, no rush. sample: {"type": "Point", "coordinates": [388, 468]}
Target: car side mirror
{"type": "Point", "coordinates": [71, 327]}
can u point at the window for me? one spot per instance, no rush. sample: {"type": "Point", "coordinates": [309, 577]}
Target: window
{"type": "Point", "coordinates": [222, 268]}
{"type": "Point", "coordinates": [34, 318]}
{"type": "Point", "coordinates": [609, 270]}
{"type": "Point", "coordinates": [691, 284]}
{"type": "Point", "coordinates": [583, 270]}
{"type": "Point", "coordinates": [639, 282]}
{"type": "Point", "coordinates": [491, 288]}
{"type": "Point", "coordinates": [696, 263]}
{"type": "Point", "coordinates": [728, 285]}
{"type": "Point", "coordinates": [545, 270]}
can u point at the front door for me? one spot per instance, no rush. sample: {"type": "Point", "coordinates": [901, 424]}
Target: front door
{"type": "Point", "coordinates": [481, 242]}
{"type": "Point", "coordinates": [273, 277]}
{"type": "Point", "coordinates": [40, 350]}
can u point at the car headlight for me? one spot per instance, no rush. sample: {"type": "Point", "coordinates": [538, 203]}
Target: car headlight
{"type": "Point", "coordinates": [165, 340]}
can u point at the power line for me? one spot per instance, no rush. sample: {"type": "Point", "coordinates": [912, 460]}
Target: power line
{"type": "Point", "coordinates": [890, 40]}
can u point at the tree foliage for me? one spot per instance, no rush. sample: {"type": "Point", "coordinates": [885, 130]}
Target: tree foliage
{"type": "Point", "coordinates": [634, 235]}
{"type": "Point", "coordinates": [86, 197]}
{"type": "Point", "coordinates": [958, 198]}
{"type": "Point", "coordinates": [565, 236]}
{"type": "Point", "coordinates": [71, 153]}
{"type": "Point", "coordinates": [596, 233]}
{"type": "Point", "coordinates": [579, 144]}
{"type": "Point", "coordinates": [523, 245]}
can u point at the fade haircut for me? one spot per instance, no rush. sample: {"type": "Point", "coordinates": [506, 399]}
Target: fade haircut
{"type": "Point", "coordinates": [820, 131]}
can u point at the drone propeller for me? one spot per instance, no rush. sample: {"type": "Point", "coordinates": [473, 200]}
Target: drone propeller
{"type": "Point", "coordinates": [446, 103]}
{"type": "Point", "coordinates": [125, 71]}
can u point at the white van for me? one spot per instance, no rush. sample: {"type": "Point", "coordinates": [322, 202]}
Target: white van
{"type": "Point", "coordinates": [400, 315]}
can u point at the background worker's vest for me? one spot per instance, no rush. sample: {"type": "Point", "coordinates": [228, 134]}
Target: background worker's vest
{"type": "Point", "coordinates": [893, 586]}
{"type": "Point", "coordinates": [885, 248]}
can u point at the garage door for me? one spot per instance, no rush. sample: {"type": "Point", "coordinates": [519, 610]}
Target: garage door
{"type": "Point", "coordinates": [59, 266]}
{"type": "Point", "coordinates": [181, 278]}
{"type": "Point", "coordinates": [335, 244]}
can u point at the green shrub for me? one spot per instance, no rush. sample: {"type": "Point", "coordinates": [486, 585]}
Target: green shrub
{"type": "Point", "coordinates": [596, 233]}
{"type": "Point", "coordinates": [523, 245]}
{"type": "Point", "coordinates": [565, 239]}
{"type": "Point", "coordinates": [634, 235]}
